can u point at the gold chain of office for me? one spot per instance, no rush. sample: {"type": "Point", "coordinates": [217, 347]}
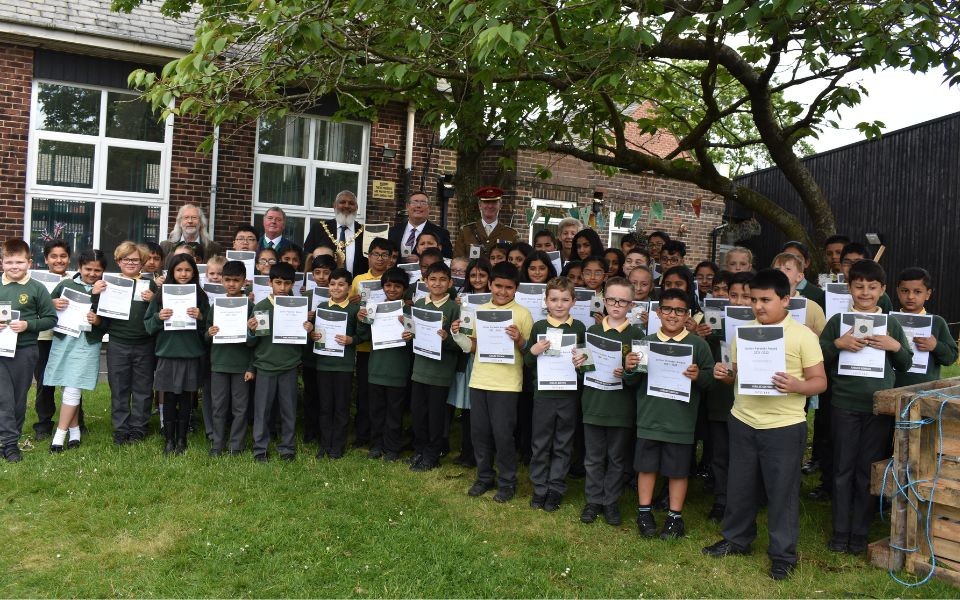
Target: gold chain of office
{"type": "Point", "coordinates": [341, 246]}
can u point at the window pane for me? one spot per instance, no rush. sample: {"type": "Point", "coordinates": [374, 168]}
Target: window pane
{"type": "Point", "coordinates": [284, 137]}
{"type": "Point", "coordinates": [121, 222]}
{"type": "Point", "coordinates": [132, 170]}
{"type": "Point", "coordinates": [131, 118]}
{"type": "Point", "coordinates": [330, 183]}
{"type": "Point", "coordinates": [281, 184]}
{"type": "Point", "coordinates": [339, 142]}
{"type": "Point", "coordinates": [68, 109]}
{"type": "Point", "coordinates": [63, 219]}
{"type": "Point", "coordinates": [65, 163]}
{"type": "Point", "coordinates": [293, 228]}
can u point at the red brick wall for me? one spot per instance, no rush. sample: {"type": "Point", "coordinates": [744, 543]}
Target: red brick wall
{"type": "Point", "coordinates": [234, 179]}
{"type": "Point", "coordinates": [16, 64]}
{"type": "Point", "coordinates": [189, 168]}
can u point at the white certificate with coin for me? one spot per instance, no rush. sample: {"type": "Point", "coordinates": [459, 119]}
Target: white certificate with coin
{"type": "Point", "coordinates": [761, 354]}
{"type": "Point", "coordinates": [868, 362]}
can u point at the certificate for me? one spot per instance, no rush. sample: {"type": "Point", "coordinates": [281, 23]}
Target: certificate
{"type": "Point", "coordinates": [653, 318]}
{"type": "Point", "coordinates": [330, 323]}
{"type": "Point", "coordinates": [230, 316]}
{"type": "Point", "coordinates": [556, 371]}
{"type": "Point", "coordinates": [420, 291]}
{"type": "Point", "coordinates": [8, 337]}
{"type": "Point", "coordinates": [761, 354]}
{"type": "Point", "coordinates": [214, 290]}
{"type": "Point", "coordinates": [665, 366]}
{"type": "Point", "coordinates": [556, 260]}
{"type": "Point", "coordinates": [915, 325]}
{"type": "Point", "coordinates": [532, 296]}
{"type": "Point", "coordinates": [116, 298]}
{"type": "Point", "coordinates": [427, 322]}
{"type": "Point", "coordinates": [869, 362]}
{"type": "Point", "coordinates": [736, 316]}
{"type": "Point", "coordinates": [412, 270]}
{"type": "Point", "coordinates": [289, 315]}
{"type": "Point", "coordinates": [581, 307]}
{"type": "Point", "coordinates": [607, 356]}
{"type": "Point", "coordinates": [493, 343]}
{"type": "Point", "coordinates": [798, 309]}
{"type": "Point", "coordinates": [476, 299]}
{"type": "Point", "coordinates": [179, 298]}
{"type": "Point", "coordinates": [142, 285]}
{"type": "Point", "coordinates": [713, 310]}
{"type": "Point", "coordinates": [298, 279]}
{"type": "Point", "coordinates": [48, 279]}
{"type": "Point", "coordinates": [371, 292]}
{"type": "Point", "coordinates": [372, 232]}
{"type": "Point", "coordinates": [72, 320]}
{"type": "Point", "coordinates": [202, 273]}
{"type": "Point", "coordinates": [387, 328]}
{"type": "Point", "coordinates": [635, 316]}
{"type": "Point", "coordinates": [320, 295]}
{"type": "Point", "coordinates": [838, 299]}
{"type": "Point", "coordinates": [247, 258]}
{"type": "Point", "coordinates": [261, 288]}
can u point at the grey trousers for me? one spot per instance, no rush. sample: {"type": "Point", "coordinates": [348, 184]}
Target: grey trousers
{"type": "Point", "coordinates": [16, 375]}
{"type": "Point", "coordinates": [772, 458]}
{"type": "Point", "coordinates": [130, 370]}
{"type": "Point", "coordinates": [554, 422]}
{"type": "Point", "coordinates": [493, 417]}
{"type": "Point", "coordinates": [282, 390]}
{"type": "Point", "coordinates": [605, 460]}
{"type": "Point", "coordinates": [229, 393]}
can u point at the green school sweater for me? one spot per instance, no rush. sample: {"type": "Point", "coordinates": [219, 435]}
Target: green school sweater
{"type": "Point", "coordinates": [177, 344]}
{"type": "Point", "coordinates": [884, 303]}
{"type": "Point", "coordinates": [856, 393]}
{"type": "Point", "coordinates": [430, 371]}
{"type": "Point", "coordinates": [612, 408]}
{"type": "Point", "coordinates": [346, 364]}
{"type": "Point", "coordinates": [719, 397]}
{"type": "Point", "coordinates": [668, 420]}
{"type": "Point", "coordinates": [944, 354]}
{"type": "Point", "coordinates": [814, 293]}
{"type": "Point", "coordinates": [229, 358]}
{"type": "Point", "coordinates": [35, 306]}
{"type": "Point", "coordinates": [131, 331]}
{"type": "Point", "coordinates": [530, 361]}
{"type": "Point", "coordinates": [270, 358]}
{"type": "Point", "coordinates": [388, 367]}
{"type": "Point", "coordinates": [95, 335]}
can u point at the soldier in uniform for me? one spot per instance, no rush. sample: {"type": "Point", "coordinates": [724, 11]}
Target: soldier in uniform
{"type": "Point", "coordinates": [477, 238]}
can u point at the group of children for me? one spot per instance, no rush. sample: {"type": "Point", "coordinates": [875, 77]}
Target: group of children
{"type": "Point", "coordinates": [614, 430]}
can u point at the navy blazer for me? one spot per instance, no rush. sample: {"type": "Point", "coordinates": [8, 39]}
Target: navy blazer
{"type": "Point", "coordinates": [395, 234]}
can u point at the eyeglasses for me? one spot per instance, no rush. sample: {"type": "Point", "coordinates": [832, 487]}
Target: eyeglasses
{"type": "Point", "coordinates": [267, 261]}
{"type": "Point", "coordinates": [673, 310]}
{"type": "Point", "coordinates": [245, 238]}
{"type": "Point", "coordinates": [380, 255]}
{"type": "Point", "coordinates": [671, 260]}
{"type": "Point", "coordinates": [593, 273]}
{"type": "Point", "coordinates": [704, 277]}
{"type": "Point", "coordinates": [130, 261]}
{"type": "Point", "coordinates": [617, 302]}
{"type": "Point", "coordinates": [418, 202]}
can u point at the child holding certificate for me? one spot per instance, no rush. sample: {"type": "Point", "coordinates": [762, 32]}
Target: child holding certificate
{"type": "Point", "coordinates": [768, 434]}
{"type": "Point", "coordinates": [389, 375]}
{"type": "Point", "coordinates": [75, 360]}
{"type": "Point", "coordinates": [231, 367]}
{"type": "Point", "coordinates": [179, 352]}
{"type": "Point", "coordinates": [320, 267]}
{"type": "Point", "coordinates": [555, 411]}
{"type": "Point", "coordinates": [914, 286]}
{"type": "Point", "coordinates": [31, 301]}
{"type": "Point", "coordinates": [56, 255]}
{"type": "Point", "coordinates": [608, 410]}
{"type": "Point", "coordinates": [792, 266]}
{"type": "Point", "coordinates": [335, 360]}
{"type": "Point", "coordinates": [495, 385]}
{"type": "Point", "coordinates": [860, 437]}
{"type": "Point", "coordinates": [433, 376]}
{"type": "Point", "coordinates": [667, 406]}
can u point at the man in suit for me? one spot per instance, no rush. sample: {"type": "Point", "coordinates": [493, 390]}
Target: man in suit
{"type": "Point", "coordinates": [274, 222]}
{"type": "Point", "coordinates": [484, 234]}
{"type": "Point", "coordinates": [341, 232]}
{"type": "Point", "coordinates": [405, 235]}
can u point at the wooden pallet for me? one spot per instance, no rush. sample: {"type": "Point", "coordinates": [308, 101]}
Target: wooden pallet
{"type": "Point", "coordinates": [919, 450]}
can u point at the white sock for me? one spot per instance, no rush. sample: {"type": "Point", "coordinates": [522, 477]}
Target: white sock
{"type": "Point", "coordinates": [59, 436]}
{"type": "Point", "coordinates": [74, 434]}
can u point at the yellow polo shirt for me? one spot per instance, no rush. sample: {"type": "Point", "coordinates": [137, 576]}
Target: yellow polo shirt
{"type": "Point", "coordinates": [496, 377]}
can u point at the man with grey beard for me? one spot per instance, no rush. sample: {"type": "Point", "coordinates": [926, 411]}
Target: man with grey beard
{"type": "Point", "coordinates": [342, 233]}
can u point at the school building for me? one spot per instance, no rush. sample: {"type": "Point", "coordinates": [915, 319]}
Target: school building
{"type": "Point", "coordinates": [83, 159]}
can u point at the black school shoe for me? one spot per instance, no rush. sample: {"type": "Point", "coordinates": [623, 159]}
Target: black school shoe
{"type": "Point", "coordinates": [288, 457]}
{"type": "Point", "coordinates": [260, 458]}
{"type": "Point", "coordinates": [505, 494]}
{"type": "Point", "coordinates": [673, 529]}
{"type": "Point", "coordinates": [819, 493]}
{"type": "Point", "coordinates": [810, 467]}
{"type": "Point", "coordinates": [56, 448]}
{"type": "Point", "coordinates": [611, 514]}
{"type": "Point", "coordinates": [839, 542]}
{"type": "Point", "coordinates": [780, 570]}
{"type": "Point", "coordinates": [73, 444]}
{"type": "Point", "coordinates": [391, 456]}
{"type": "Point", "coordinates": [536, 502]}
{"type": "Point", "coordinates": [646, 524]}
{"type": "Point", "coordinates": [480, 488]}
{"type": "Point", "coordinates": [423, 466]}
{"type": "Point", "coordinates": [375, 453]}
{"type": "Point", "coordinates": [724, 548]}
{"type": "Point", "coordinates": [552, 501]}
{"type": "Point", "coordinates": [11, 454]}
{"type": "Point", "coordinates": [858, 544]}
{"type": "Point", "coordinates": [590, 512]}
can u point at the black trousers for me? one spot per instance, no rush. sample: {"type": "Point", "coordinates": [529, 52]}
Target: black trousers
{"type": "Point", "coordinates": [361, 423]}
{"type": "Point", "coordinates": [823, 439]}
{"type": "Point", "coordinates": [859, 440]}
{"type": "Point", "coordinates": [720, 460]}
{"type": "Point", "coordinates": [775, 455]}
{"type": "Point", "coordinates": [386, 417]}
{"type": "Point", "coordinates": [311, 405]}
{"type": "Point", "coordinates": [492, 421]}
{"type": "Point", "coordinates": [44, 403]}
{"type": "Point", "coordinates": [16, 375]}
{"type": "Point", "coordinates": [333, 390]}
{"type": "Point", "coordinates": [428, 408]}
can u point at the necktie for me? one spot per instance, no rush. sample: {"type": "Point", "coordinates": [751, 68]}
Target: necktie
{"type": "Point", "coordinates": [412, 238]}
{"type": "Point", "coordinates": [343, 233]}
{"type": "Point", "coordinates": [270, 244]}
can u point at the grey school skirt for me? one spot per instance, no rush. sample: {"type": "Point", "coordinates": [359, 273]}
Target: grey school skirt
{"type": "Point", "coordinates": [177, 375]}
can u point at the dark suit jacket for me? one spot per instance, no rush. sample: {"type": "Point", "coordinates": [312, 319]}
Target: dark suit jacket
{"type": "Point", "coordinates": [317, 237]}
{"type": "Point", "coordinates": [395, 235]}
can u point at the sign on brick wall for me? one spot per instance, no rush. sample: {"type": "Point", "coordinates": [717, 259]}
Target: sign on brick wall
{"type": "Point", "coordinates": [384, 190]}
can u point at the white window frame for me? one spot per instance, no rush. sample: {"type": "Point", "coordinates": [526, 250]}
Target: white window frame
{"type": "Point", "coordinates": [97, 194]}
{"type": "Point", "coordinates": [536, 204]}
{"type": "Point", "coordinates": [306, 210]}
{"type": "Point", "coordinates": [613, 229]}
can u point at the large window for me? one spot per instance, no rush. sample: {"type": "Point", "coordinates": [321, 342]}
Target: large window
{"type": "Point", "coordinates": [98, 168]}
{"type": "Point", "coordinates": [304, 162]}
{"type": "Point", "coordinates": [619, 229]}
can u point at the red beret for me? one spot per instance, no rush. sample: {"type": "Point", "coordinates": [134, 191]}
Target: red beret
{"type": "Point", "coordinates": [489, 192]}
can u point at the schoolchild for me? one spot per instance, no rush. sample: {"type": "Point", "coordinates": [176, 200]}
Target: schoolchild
{"type": "Point", "coordinates": [806, 289]}
{"type": "Point", "coordinates": [853, 252]}
{"type": "Point", "coordinates": [56, 255]}
{"type": "Point", "coordinates": [914, 286]}
{"type": "Point", "coordinates": [319, 270]}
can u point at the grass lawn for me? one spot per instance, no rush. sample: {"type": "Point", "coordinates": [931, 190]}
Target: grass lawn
{"type": "Point", "coordinates": [106, 521]}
